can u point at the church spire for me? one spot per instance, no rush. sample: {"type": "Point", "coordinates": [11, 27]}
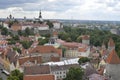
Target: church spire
{"type": "Point", "coordinates": [40, 16]}
{"type": "Point", "coordinates": [111, 44]}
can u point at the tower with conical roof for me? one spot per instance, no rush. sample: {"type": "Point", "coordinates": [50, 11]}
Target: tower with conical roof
{"type": "Point", "coordinates": [86, 39]}
{"type": "Point", "coordinates": [113, 65]}
{"type": "Point", "coordinates": [103, 46]}
{"type": "Point", "coordinates": [111, 44]}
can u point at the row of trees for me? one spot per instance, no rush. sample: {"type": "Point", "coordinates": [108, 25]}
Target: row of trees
{"type": "Point", "coordinates": [26, 32]}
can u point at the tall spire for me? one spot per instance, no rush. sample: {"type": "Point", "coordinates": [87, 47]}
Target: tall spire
{"type": "Point", "coordinates": [111, 44]}
{"type": "Point", "coordinates": [10, 16]}
{"type": "Point", "coordinates": [103, 46]}
{"type": "Point", "coordinates": [40, 16]}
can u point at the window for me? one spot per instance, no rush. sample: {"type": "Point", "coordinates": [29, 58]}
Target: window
{"type": "Point", "coordinates": [64, 72]}
{"type": "Point", "coordinates": [63, 76]}
{"type": "Point", "coordinates": [60, 72]}
{"type": "Point", "coordinates": [60, 76]}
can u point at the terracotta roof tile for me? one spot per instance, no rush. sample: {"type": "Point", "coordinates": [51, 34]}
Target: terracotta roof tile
{"type": "Point", "coordinates": [39, 77]}
{"type": "Point", "coordinates": [55, 59]}
{"type": "Point", "coordinates": [31, 59]}
{"type": "Point", "coordinates": [113, 58]}
{"type": "Point", "coordinates": [39, 69]}
{"type": "Point", "coordinates": [82, 49]}
{"type": "Point", "coordinates": [55, 33]}
{"type": "Point", "coordinates": [46, 49]}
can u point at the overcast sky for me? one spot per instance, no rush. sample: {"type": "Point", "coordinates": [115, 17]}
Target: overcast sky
{"type": "Point", "coordinates": [62, 9]}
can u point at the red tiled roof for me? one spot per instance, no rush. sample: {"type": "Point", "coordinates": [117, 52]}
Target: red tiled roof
{"type": "Point", "coordinates": [113, 58]}
{"type": "Point", "coordinates": [40, 25]}
{"type": "Point", "coordinates": [82, 49]}
{"type": "Point", "coordinates": [39, 77]}
{"type": "Point", "coordinates": [85, 37]}
{"type": "Point", "coordinates": [37, 69]}
{"type": "Point", "coordinates": [16, 24]}
{"type": "Point", "coordinates": [46, 49]}
{"type": "Point", "coordinates": [55, 59]}
{"type": "Point", "coordinates": [55, 33]}
{"type": "Point", "coordinates": [111, 42]}
{"type": "Point", "coordinates": [31, 59]}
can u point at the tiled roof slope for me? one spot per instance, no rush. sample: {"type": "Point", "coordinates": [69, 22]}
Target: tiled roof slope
{"type": "Point", "coordinates": [113, 58]}
{"type": "Point", "coordinates": [39, 77]}
{"type": "Point", "coordinates": [33, 70]}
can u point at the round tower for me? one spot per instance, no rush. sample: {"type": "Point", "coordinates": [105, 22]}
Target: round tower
{"type": "Point", "coordinates": [86, 39]}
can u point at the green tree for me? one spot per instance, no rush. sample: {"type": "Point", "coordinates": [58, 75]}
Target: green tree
{"type": "Point", "coordinates": [43, 41]}
{"type": "Point", "coordinates": [15, 75]}
{"type": "Point", "coordinates": [1, 79]}
{"type": "Point", "coordinates": [4, 31]}
{"type": "Point", "coordinates": [17, 49]}
{"type": "Point", "coordinates": [83, 60]}
{"type": "Point", "coordinates": [20, 32]}
{"type": "Point", "coordinates": [26, 44]}
{"type": "Point", "coordinates": [50, 24]}
{"type": "Point", "coordinates": [75, 74]}
{"type": "Point", "coordinates": [27, 31]}
{"type": "Point", "coordinates": [16, 38]}
{"type": "Point", "coordinates": [10, 24]}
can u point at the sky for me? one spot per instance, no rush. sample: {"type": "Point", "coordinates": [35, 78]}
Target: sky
{"type": "Point", "coordinates": [62, 9]}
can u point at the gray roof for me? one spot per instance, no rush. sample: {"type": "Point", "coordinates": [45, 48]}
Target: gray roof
{"type": "Point", "coordinates": [11, 55]}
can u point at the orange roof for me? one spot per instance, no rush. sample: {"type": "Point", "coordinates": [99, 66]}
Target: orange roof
{"type": "Point", "coordinates": [82, 49]}
{"type": "Point", "coordinates": [46, 49]}
{"type": "Point", "coordinates": [86, 37]}
{"type": "Point", "coordinates": [39, 77]}
{"type": "Point", "coordinates": [55, 33]}
{"type": "Point", "coordinates": [111, 42]}
{"type": "Point", "coordinates": [113, 58]}
{"type": "Point", "coordinates": [55, 59]}
{"type": "Point", "coordinates": [31, 59]}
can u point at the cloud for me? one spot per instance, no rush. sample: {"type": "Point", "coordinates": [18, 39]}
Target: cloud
{"type": "Point", "coordinates": [61, 9]}
{"type": "Point", "coordinates": [13, 3]}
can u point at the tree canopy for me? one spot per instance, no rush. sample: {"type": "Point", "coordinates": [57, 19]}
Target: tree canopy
{"type": "Point", "coordinates": [15, 75]}
{"type": "Point", "coordinates": [50, 24]}
{"type": "Point", "coordinates": [75, 74]}
{"type": "Point", "coordinates": [83, 60]}
{"type": "Point", "coordinates": [26, 44]}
